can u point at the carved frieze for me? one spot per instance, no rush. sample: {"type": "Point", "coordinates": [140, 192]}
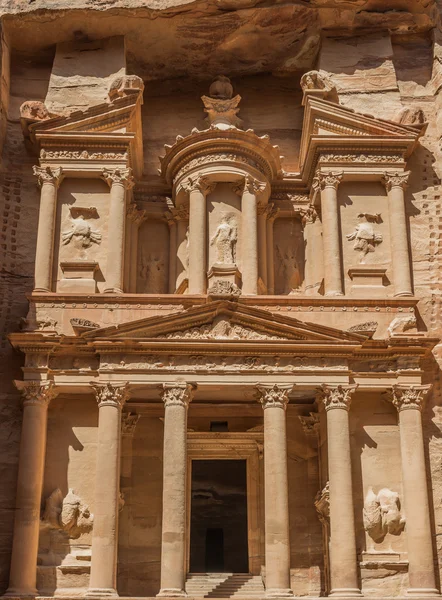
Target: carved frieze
{"type": "Point", "coordinates": [224, 289]}
{"type": "Point", "coordinates": [82, 155]}
{"type": "Point", "coordinates": [343, 157]}
{"type": "Point", "coordinates": [222, 328]}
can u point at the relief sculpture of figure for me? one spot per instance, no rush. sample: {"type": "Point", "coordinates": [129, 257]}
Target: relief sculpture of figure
{"type": "Point", "coordinates": [82, 231]}
{"type": "Point", "coordinates": [364, 234]}
{"type": "Point", "coordinates": [224, 240]}
{"type": "Point", "coordinates": [382, 514]}
{"type": "Point", "coordinates": [288, 268]}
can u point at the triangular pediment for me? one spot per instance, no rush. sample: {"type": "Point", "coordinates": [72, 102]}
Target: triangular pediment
{"type": "Point", "coordinates": [224, 321]}
{"type": "Point", "coordinates": [330, 123]}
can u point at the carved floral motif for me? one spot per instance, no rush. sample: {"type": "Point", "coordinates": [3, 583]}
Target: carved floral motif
{"type": "Point", "coordinates": [360, 158]}
{"type": "Point", "coordinates": [48, 174]}
{"type": "Point", "coordinates": [273, 396]}
{"type": "Point", "coordinates": [198, 183]}
{"type": "Point", "coordinates": [215, 158]}
{"type": "Point", "coordinates": [408, 397]}
{"type": "Point", "coordinates": [82, 155]}
{"type": "Point", "coordinates": [382, 514]}
{"type": "Point", "coordinates": [38, 393]}
{"type": "Point", "coordinates": [177, 394]}
{"type": "Point", "coordinates": [119, 176]}
{"type": "Point", "coordinates": [338, 396]}
{"type": "Point", "coordinates": [395, 179]}
{"type": "Point", "coordinates": [323, 179]}
{"type": "Point", "coordinates": [108, 394]}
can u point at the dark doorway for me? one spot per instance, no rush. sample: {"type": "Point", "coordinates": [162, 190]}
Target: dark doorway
{"type": "Point", "coordinates": [218, 527]}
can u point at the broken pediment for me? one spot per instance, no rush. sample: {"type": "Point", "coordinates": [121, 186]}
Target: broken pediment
{"type": "Point", "coordinates": [223, 320]}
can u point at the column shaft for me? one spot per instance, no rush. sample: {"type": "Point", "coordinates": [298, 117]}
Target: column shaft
{"type": "Point", "coordinates": [182, 250]}
{"type": "Point", "coordinates": [314, 272]}
{"type": "Point", "coordinates": [172, 255]}
{"type": "Point", "coordinates": [395, 185]}
{"type": "Point", "coordinates": [103, 580]}
{"type": "Point", "coordinates": [277, 534]}
{"type": "Point", "coordinates": [343, 557]}
{"type": "Point", "coordinates": [409, 401]}
{"type": "Point", "coordinates": [173, 544]}
{"type": "Point", "coordinates": [262, 245]}
{"type": "Point", "coordinates": [119, 181]}
{"type": "Point", "coordinates": [23, 573]}
{"type": "Point", "coordinates": [49, 180]}
{"type": "Point", "coordinates": [271, 216]}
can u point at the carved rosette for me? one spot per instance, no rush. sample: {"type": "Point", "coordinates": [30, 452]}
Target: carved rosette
{"type": "Point", "coordinates": [135, 215]}
{"type": "Point", "coordinates": [198, 184]}
{"type": "Point", "coordinates": [273, 396]}
{"type": "Point", "coordinates": [52, 175]}
{"type": "Point", "coordinates": [37, 393]}
{"type": "Point", "coordinates": [338, 396]}
{"type": "Point", "coordinates": [111, 395]}
{"type": "Point", "coordinates": [119, 176]}
{"type": "Point", "coordinates": [408, 397]}
{"type": "Point", "coordinates": [177, 394]}
{"type": "Point", "coordinates": [128, 423]}
{"type": "Point", "coordinates": [393, 179]}
{"type": "Point", "coordinates": [329, 179]}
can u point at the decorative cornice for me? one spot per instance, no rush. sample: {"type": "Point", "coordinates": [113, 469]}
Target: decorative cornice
{"type": "Point", "coordinates": [273, 396]}
{"type": "Point", "coordinates": [177, 394]}
{"type": "Point", "coordinates": [38, 393]}
{"type": "Point", "coordinates": [323, 179]}
{"type": "Point", "coordinates": [48, 174]}
{"type": "Point", "coordinates": [119, 176]}
{"type": "Point", "coordinates": [111, 395]}
{"type": "Point", "coordinates": [393, 179]}
{"type": "Point", "coordinates": [198, 183]}
{"type": "Point", "coordinates": [408, 397]}
{"type": "Point", "coordinates": [128, 423]}
{"type": "Point", "coordinates": [336, 396]}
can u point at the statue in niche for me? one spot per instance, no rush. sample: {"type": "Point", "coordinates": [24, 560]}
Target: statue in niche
{"type": "Point", "coordinates": [365, 236]}
{"type": "Point", "coordinates": [81, 231]}
{"type": "Point", "coordinates": [69, 514]}
{"type": "Point", "coordinates": [382, 514]}
{"type": "Point", "coordinates": [224, 240]}
{"type": "Point", "coordinates": [288, 268]}
{"type": "Point", "coordinates": [152, 272]}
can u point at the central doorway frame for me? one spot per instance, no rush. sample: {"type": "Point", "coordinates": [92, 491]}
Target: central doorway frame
{"type": "Point", "coordinates": [248, 446]}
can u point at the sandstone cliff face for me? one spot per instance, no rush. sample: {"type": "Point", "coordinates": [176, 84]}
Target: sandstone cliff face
{"type": "Point", "coordinates": [380, 58]}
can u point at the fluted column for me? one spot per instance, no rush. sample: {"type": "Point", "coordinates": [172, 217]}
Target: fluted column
{"type": "Point", "coordinates": [409, 400]}
{"type": "Point", "coordinates": [172, 251]}
{"type": "Point", "coordinates": [119, 181]}
{"type": "Point", "coordinates": [48, 180]}
{"type": "Point", "coordinates": [250, 191]}
{"type": "Point", "coordinates": [135, 218]}
{"type": "Point", "coordinates": [262, 244]}
{"type": "Point", "coordinates": [111, 399]}
{"type": "Point", "coordinates": [198, 188]}
{"type": "Point", "coordinates": [314, 272]}
{"type": "Point", "coordinates": [274, 400]}
{"type": "Point", "coordinates": [272, 214]}
{"type": "Point", "coordinates": [343, 558]}
{"type": "Point", "coordinates": [328, 184]}
{"type": "Point", "coordinates": [176, 398]}
{"type": "Point", "coordinates": [395, 184]}
{"type": "Point", "coordinates": [23, 573]}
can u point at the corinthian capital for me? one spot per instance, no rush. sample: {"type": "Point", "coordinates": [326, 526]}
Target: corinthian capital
{"type": "Point", "coordinates": [135, 215]}
{"type": "Point", "coordinates": [48, 175]}
{"type": "Point", "coordinates": [408, 397]}
{"type": "Point", "coordinates": [336, 396]}
{"type": "Point", "coordinates": [37, 393]}
{"type": "Point", "coordinates": [394, 179]}
{"type": "Point", "coordinates": [308, 215]}
{"type": "Point", "coordinates": [128, 423]}
{"type": "Point", "coordinates": [273, 396]}
{"type": "Point", "coordinates": [123, 177]}
{"type": "Point", "coordinates": [198, 183]}
{"type": "Point", "coordinates": [323, 179]}
{"type": "Point", "coordinates": [108, 394]}
{"type": "Point", "coordinates": [177, 394]}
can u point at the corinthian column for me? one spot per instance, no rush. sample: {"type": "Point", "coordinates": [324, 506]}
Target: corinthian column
{"type": "Point", "coordinates": [274, 400]}
{"type": "Point", "coordinates": [250, 191]}
{"type": "Point", "coordinates": [409, 400]}
{"type": "Point", "coordinates": [119, 180]}
{"type": "Point", "coordinates": [172, 251]}
{"type": "Point", "coordinates": [103, 581]}
{"type": "Point", "coordinates": [272, 214]}
{"type": "Point", "coordinates": [198, 188]}
{"type": "Point", "coordinates": [328, 184]}
{"type": "Point", "coordinates": [48, 180]}
{"type": "Point", "coordinates": [262, 243]}
{"type": "Point", "coordinates": [343, 560]}
{"type": "Point", "coordinates": [23, 574]}
{"type": "Point", "coordinates": [176, 398]}
{"type": "Point", "coordinates": [395, 184]}
{"type": "Point", "coordinates": [314, 272]}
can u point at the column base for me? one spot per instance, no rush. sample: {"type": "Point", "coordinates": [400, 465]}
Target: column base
{"type": "Point", "coordinates": [171, 593]}
{"type": "Point", "coordinates": [333, 293]}
{"type": "Point", "coordinates": [99, 592]}
{"type": "Point", "coordinates": [14, 593]}
{"type": "Point", "coordinates": [346, 592]}
{"type": "Point", "coordinates": [279, 593]}
{"type": "Point", "coordinates": [422, 592]}
{"type": "Point", "coordinates": [113, 291]}
{"type": "Point", "coordinates": [41, 290]}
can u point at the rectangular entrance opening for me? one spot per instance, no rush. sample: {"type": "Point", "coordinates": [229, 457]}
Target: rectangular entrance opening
{"type": "Point", "coordinates": [218, 518]}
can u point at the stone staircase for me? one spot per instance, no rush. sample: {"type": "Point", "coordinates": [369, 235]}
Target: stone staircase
{"type": "Point", "coordinates": [224, 585]}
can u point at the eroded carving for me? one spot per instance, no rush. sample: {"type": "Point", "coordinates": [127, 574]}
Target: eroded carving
{"type": "Point", "coordinates": [317, 80]}
{"type": "Point", "coordinates": [128, 423]}
{"type": "Point", "coordinates": [70, 513]}
{"type": "Point", "coordinates": [124, 85]}
{"type": "Point", "coordinates": [220, 106]}
{"type": "Point", "coordinates": [401, 325]}
{"type": "Point", "coordinates": [326, 179]}
{"type": "Point", "coordinates": [108, 394]}
{"type": "Point", "coordinates": [366, 327]}
{"type": "Point", "coordinates": [322, 504]}
{"type": "Point", "coordinates": [82, 155]}
{"type": "Point", "coordinates": [224, 289]}
{"type": "Point", "coordinates": [338, 396]}
{"type": "Point", "coordinates": [273, 396]}
{"type": "Point", "coordinates": [81, 231]}
{"type": "Point", "coordinates": [177, 394]}
{"type": "Point", "coordinates": [48, 174]}
{"type": "Point", "coordinates": [119, 176]}
{"type": "Point", "coordinates": [382, 514]}
{"type": "Point", "coordinates": [365, 237]}
{"type": "Point", "coordinates": [410, 115]}
{"type": "Point", "coordinates": [38, 393]}
{"type": "Point", "coordinates": [198, 183]}
{"type": "Point", "coordinates": [408, 397]}
{"type": "Point", "coordinates": [221, 328]}
{"type": "Point", "coordinates": [395, 179]}
{"type": "Point", "coordinates": [224, 240]}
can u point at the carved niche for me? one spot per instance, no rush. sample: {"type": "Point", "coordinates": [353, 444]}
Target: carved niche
{"type": "Point", "coordinates": [289, 256]}
{"type": "Point", "coordinates": [153, 257]}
